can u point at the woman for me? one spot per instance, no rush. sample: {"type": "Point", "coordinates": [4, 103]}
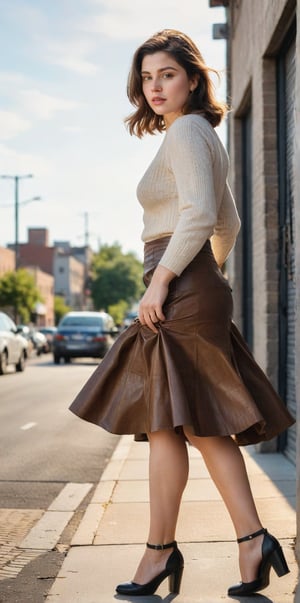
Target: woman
{"type": "Point", "coordinates": [182, 372]}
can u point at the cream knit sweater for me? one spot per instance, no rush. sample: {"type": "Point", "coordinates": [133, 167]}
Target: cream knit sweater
{"type": "Point", "coordinates": [184, 193]}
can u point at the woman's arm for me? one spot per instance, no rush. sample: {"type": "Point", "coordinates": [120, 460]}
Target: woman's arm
{"type": "Point", "coordinates": [190, 150]}
{"type": "Point", "coordinates": [226, 229]}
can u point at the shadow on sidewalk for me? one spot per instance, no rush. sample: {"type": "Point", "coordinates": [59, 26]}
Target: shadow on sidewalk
{"type": "Point", "coordinates": [150, 599]}
{"type": "Point", "coordinates": [253, 599]}
{"type": "Point", "coordinates": [280, 470]}
{"type": "Point", "coordinates": [157, 599]}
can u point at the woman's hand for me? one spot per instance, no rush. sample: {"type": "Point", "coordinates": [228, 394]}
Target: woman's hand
{"type": "Point", "coordinates": [150, 308]}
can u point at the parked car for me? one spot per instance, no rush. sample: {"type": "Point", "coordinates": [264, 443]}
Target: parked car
{"type": "Point", "coordinates": [49, 333]}
{"type": "Point", "coordinates": [38, 340]}
{"type": "Point", "coordinates": [129, 318]}
{"type": "Point", "coordinates": [83, 334]}
{"type": "Point", "coordinates": [25, 332]}
{"type": "Point", "coordinates": [13, 347]}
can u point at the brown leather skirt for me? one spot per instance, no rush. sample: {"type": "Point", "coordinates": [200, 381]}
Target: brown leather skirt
{"type": "Point", "coordinates": [197, 371]}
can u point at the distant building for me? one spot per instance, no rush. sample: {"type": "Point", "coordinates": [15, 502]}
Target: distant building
{"type": "Point", "coordinates": [37, 251]}
{"type": "Point", "coordinates": [83, 254]}
{"type": "Point", "coordinates": [69, 277]}
{"type": "Point", "coordinates": [43, 312]}
{"type": "Point", "coordinates": [68, 265]}
{"type": "Point", "coordinates": [7, 260]}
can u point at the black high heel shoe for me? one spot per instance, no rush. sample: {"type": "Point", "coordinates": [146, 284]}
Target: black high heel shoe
{"type": "Point", "coordinates": [173, 571]}
{"type": "Point", "coordinates": [272, 556]}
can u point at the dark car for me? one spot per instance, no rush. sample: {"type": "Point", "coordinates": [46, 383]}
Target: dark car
{"type": "Point", "coordinates": [83, 334]}
{"type": "Point", "coordinates": [13, 347]}
{"type": "Point", "coordinates": [130, 318]}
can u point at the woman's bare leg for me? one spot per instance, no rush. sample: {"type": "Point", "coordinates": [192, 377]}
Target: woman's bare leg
{"type": "Point", "coordinates": [226, 466]}
{"type": "Point", "coordinates": [168, 473]}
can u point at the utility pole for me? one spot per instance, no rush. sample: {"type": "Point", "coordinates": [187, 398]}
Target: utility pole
{"type": "Point", "coordinates": [86, 229]}
{"type": "Point", "coordinates": [86, 259]}
{"type": "Point", "coordinates": [16, 180]}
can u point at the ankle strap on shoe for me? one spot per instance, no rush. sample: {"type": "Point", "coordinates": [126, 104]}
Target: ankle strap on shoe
{"type": "Point", "coordinates": [258, 533]}
{"type": "Point", "coordinates": [162, 547]}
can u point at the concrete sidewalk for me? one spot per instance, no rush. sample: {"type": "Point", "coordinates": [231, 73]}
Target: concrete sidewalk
{"type": "Point", "coordinates": [110, 539]}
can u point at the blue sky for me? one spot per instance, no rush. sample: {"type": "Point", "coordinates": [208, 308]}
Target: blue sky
{"type": "Point", "coordinates": [63, 73]}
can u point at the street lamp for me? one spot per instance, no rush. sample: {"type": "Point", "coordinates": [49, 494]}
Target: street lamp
{"type": "Point", "coordinates": [30, 200]}
{"type": "Point", "coordinates": [16, 179]}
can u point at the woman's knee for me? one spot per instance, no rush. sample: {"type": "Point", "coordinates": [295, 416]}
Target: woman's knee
{"type": "Point", "coordinates": [203, 443]}
{"type": "Point", "coordinates": [191, 437]}
{"type": "Point", "coordinates": [166, 437]}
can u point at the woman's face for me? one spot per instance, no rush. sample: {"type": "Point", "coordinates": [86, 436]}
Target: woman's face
{"type": "Point", "coordinates": [166, 85]}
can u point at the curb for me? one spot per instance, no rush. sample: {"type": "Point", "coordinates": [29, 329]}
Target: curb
{"type": "Point", "coordinates": [46, 532]}
{"type": "Point", "coordinates": [86, 531]}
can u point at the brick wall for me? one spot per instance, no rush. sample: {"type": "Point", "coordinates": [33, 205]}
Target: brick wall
{"type": "Point", "coordinates": [38, 236]}
{"type": "Point", "coordinates": [257, 30]}
{"type": "Point", "coordinates": [297, 238]}
{"type": "Point", "coordinates": [7, 260]}
{"type": "Point", "coordinates": [35, 255]}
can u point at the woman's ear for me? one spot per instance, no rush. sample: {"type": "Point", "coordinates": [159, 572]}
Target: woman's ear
{"type": "Point", "coordinates": [194, 83]}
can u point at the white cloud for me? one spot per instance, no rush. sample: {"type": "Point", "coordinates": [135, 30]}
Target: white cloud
{"type": "Point", "coordinates": [73, 129]}
{"type": "Point", "coordinates": [72, 55]}
{"type": "Point", "coordinates": [12, 124]}
{"type": "Point", "coordinates": [81, 66]}
{"type": "Point", "coordinates": [128, 20]}
{"type": "Point", "coordinates": [50, 39]}
{"type": "Point", "coordinates": [44, 106]}
{"type": "Point", "coordinates": [24, 14]}
{"type": "Point", "coordinates": [14, 162]}
{"type": "Point", "coordinates": [8, 78]}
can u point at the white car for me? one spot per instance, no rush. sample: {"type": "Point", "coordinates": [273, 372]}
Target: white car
{"type": "Point", "coordinates": [13, 347]}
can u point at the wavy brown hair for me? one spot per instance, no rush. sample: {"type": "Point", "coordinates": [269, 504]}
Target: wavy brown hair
{"type": "Point", "coordinates": [202, 100]}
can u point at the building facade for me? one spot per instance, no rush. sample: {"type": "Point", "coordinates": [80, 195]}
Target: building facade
{"type": "Point", "coordinates": [37, 252]}
{"type": "Point", "coordinates": [43, 312]}
{"type": "Point", "coordinates": [70, 266]}
{"type": "Point", "coordinates": [69, 277]}
{"type": "Point", "coordinates": [263, 50]}
{"type": "Point", "coordinates": [7, 260]}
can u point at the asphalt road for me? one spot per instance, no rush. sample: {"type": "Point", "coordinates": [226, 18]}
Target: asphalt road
{"type": "Point", "coordinates": [43, 447]}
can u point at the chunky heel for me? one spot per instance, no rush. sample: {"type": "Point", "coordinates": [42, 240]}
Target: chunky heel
{"type": "Point", "coordinates": [279, 563]}
{"type": "Point", "coordinates": [272, 556]}
{"type": "Point", "coordinates": [175, 581]}
{"type": "Point", "coordinates": [173, 571]}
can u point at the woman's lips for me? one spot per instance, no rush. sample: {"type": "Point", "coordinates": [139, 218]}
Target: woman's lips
{"type": "Point", "coordinates": [158, 100]}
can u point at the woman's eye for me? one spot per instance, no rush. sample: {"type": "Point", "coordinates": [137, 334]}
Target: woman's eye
{"type": "Point", "coordinates": [146, 78]}
{"type": "Point", "coordinates": [168, 75]}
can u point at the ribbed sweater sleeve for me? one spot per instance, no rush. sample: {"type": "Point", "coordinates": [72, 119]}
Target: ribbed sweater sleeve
{"type": "Point", "coordinates": [191, 159]}
{"type": "Point", "coordinates": [226, 229]}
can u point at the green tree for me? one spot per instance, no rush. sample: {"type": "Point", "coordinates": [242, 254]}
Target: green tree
{"type": "Point", "coordinates": [60, 308]}
{"type": "Point", "coordinates": [116, 277]}
{"type": "Point", "coordinates": [118, 311]}
{"type": "Point", "coordinates": [18, 291]}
